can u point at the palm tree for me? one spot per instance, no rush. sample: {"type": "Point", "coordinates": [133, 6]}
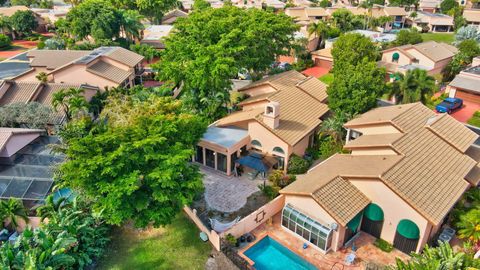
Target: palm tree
{"type": "Point", "coordinates": [333, 126]}
{"type": "Point", "coordinates": [320, 30]}
{"type": "Point", "coordinates": [131, 24]}
{"type": "Point", "coordinates": [12, 210]}
{"type": "Point", "coordinates": [416, 85]}
{"type": "Point", "coordinates": [71, 100]}
{"type": "Point", "coordinates": [469, 226]}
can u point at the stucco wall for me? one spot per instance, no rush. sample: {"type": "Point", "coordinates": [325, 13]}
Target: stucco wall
{"type": "Point", "coordinates": [17, 142]}
{"type": "Point", "coordinates": [394, 209]}
{"type": "Point", "coordinates": [302, 145]}
{"type": "Point", "coordinates": [267, 139]}
{"type": "Point", "coordinates": [422, 59]}
{"type": "Point", "coordinates": [403, 60]}
{"type": "Point", "coordinates": [213, 237]}
{"type": "Point", "coordinates": [377, 151]}
{"type": "Point", "coordinates": [30, 76]}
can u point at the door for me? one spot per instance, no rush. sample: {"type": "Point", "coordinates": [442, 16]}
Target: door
{"type": "Point", "coordinates": [406, 236]}
{"type": "Point", "coordinates": [374, 228]}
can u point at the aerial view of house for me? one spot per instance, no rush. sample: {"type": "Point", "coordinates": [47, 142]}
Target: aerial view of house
{"type": "Point", "coordinates": [240, 135]}
{"type": "Point", "coordinates": [430, 56]}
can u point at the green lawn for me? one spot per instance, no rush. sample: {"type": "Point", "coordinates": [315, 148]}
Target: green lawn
{"type": "Point", "coordinates": [439, 37]}
{"type": "Point", "coordinates": [177, 246]}
{"type": "Point", "coordinates": [327, 78]}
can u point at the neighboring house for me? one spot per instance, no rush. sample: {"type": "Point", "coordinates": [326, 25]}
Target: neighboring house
{"type": "Point", "coordinates": [25, 92]}
{"type": "Point", "coordinates": [466, 85]}
{"type": "Point", "coordinates": [279, 118]}
{"type": "Point", "coordinates": [407, 168]}
{"type": "Point", "coordinates": [103, 67]}
{"type": "Point", "coordinates": [153, 35]}
{"type": "Point", "coordinates": [172, 16]}
{"type": "Point", "coordinates": [398, 16]}
{"type": "Point", "coordinates": [51, 15]}
{"type": "Point", "coordinates": [429, 5]}
{"type": "Point", "coordinates": [9, 11]}
{"type": "Point", "coordinates": [305, 16]}
{"type": "Point", "coordinates": [26, 165]}
{"type": "Point", "coordinates": [276, 4]}
{"type": "Point", "coordinates": [472, 16]}
{"type": "Point", "coordinates": [323, 58]}
{"type": "Point", "coordinates": [430, 56]}
{"type": "Point", "coordinates": [432, 22]}
{"type": "Point", "coordinates": [376, 37]}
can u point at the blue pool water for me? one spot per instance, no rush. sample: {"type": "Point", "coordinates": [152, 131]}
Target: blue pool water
{"type": "Point", "coordinates": [268, 254]}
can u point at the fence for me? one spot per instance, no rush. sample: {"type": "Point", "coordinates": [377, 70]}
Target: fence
{"type": "Point", "coordinates": [213, 237]}
{"type": "Point", "coordinates": [255, 219]}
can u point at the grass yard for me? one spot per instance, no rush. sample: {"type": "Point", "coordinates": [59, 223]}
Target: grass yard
{"type": "Point", "coordinates": [177, 246]}
{"type": "Point", "coordinates": [439, 37]}
{"type": "Point", "coordinates": [327, 78]}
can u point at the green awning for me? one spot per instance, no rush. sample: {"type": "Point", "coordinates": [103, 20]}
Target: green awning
{"type": "Point", "coordinates": [396, 56]}
{"type": "Point", "coordinates": [373, 212]}
{"type": "Point", "coordinates": [355, 222]}
{"type": "Point", "coordinates": [408, 229]}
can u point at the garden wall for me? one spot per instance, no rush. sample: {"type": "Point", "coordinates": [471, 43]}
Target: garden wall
{"type": "Point", "coordinates": [255, 219]}
{"type": "Point", "coordinates": [213, 237]}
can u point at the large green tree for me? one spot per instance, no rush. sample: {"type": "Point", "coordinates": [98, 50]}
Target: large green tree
{"type": "Point", "coordinates": [411, 36]}
{"type": "Point", "coordinates": [342, 19]}
{"type": "Point", "coordinates": [208, 48]}
{"type": "Point", "coordinates": [134, 162]}
{"type": "Point", "coordinates": [467, 50]}
{"type": "Point", "coordinates": [447, 5]}
{"type": "Point", "coordinates": [416, 85]}
{"type": "Point", "coordinates": [23, 22]}
{"type": "Point", "coordinates": [96, 18]}
{"type": "Point", "coordinates": [358, 82]}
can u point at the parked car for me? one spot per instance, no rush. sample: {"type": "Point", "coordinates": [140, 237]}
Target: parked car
{"type": "Point", "coordinates": [448, 105]}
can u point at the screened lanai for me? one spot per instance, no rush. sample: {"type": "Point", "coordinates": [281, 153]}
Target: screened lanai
{"type": "Point", "coordinates": [28, 174]}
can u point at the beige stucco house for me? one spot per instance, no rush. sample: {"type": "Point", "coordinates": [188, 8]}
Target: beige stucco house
{"type": "Point", "coordinates": [472, 16]}
{"type": "Point", "coordinates": [323, 58]}
{"type": "Point", "coordinates": [406, 170]}
{"type": "Point", "coordinates": [431, 56]}
{"type": "Point", "coordinates": [466, 85]}
{"type": "Point", "coordinates": [432, 22]}
{"type": "Point", "coordinates": [104, 67]}
{"type": "Point", "coordinates": [25, 92]}
{"type": "Point", "coordinates": [279, 118]}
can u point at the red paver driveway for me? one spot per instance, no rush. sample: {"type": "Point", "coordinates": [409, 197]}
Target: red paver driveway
{"type": "Point", "coordinates": [316, 72]}
{"type": "Point", "coordinates": [468, 109]}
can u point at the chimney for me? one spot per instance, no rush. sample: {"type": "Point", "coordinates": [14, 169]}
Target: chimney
{"type": "Point", "coordinates": [271, 116]}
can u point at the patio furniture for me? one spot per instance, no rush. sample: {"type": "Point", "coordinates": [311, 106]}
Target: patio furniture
{"type": "Point", "coordinates": [219, 226]}
{"type": "Point", "coordinates": [350, 258]}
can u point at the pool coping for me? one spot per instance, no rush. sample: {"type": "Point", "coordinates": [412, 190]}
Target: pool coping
{"type": "Point", "coordinates": [242, 251]}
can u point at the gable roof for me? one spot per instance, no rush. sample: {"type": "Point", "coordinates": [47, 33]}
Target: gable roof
{"type": "Point", "coordinates": [428, 172]}
{"type": "Point", "coordinates": [436, 51]}
{"type": "Point", "coordinates": [9, 11]}
{"type": "Point", "coordinates": [172, 16]}
{"type": "Point", "coordinates": [7, 133]}
{"type": "Point", "coordinates": [300, 103]}
{"type": "Point", "coordinates": [52, 59]}
{"type": "Point", "coordinates": [471, 15]}
{"type": "Point", "coordinates": [109, 71]}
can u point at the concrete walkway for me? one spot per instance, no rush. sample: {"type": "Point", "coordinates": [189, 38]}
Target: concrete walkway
{"type": "Point", "coordinates": [227, 194]}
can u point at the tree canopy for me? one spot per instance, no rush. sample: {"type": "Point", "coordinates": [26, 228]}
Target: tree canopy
{"type": "Point", "coordinates": [23, 22]}
{"type": "Point", "coordinates": [134, 162]}
{"type": "Point", "coordinates": [357, 82]}
{"type": "Point", "coordinates": [411, 36]}
{"type": "Point", "coordinates": [447, 5]}
{"type": "Point", "coordinates": [208, 48]}
{"type": "Point", "coordinates": [342, 19]}
{"type": "Point", "coordinates": [416, 85]}
{"type": "Point", "coordinates": [467, 50]}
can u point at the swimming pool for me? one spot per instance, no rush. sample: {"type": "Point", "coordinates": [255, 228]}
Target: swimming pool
{"type": "Point", "coordinates": [268, 254]}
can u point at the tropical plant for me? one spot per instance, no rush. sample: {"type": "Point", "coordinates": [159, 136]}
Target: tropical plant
{"type": "Point", "coordinates": [5, 42]}
{"type": "Point", "coordinates": [469, 226]}
{"type": "Point", "coordinates": [342, 19]}
{"type": "Point", "coordinates": [416, 85]}
{"type": "Point", "coordinates": [447, 5]}
{"type": "Point", "coordinates": [467, 32]}
{"type": "Point", "coordinates": [297, 165]}
{"type": "Point", "coordinates": [131, 24]}
{"type": "Point", "coordinates": [71, 100]}
{"type": "Point", "coordinates": [54, 44]}
{"type": "Point", "coordinates": [411, 36]}
{"type": "Point", "coordinates": [42, 77]}
{"type": "Point", "coordinates": [146, 51]}
{"type": "Point", "coordinates": [333, 126]}
{"type": "Point", "coordinates": [12, 210]}
{"type": "Point", "coordinates": [442, 257]}
{"type": "Point", "coordinates": [23, 22]}
{"type": "Point", "coordinates": [319, 29]}
{"type": "Point", "coordinates": [30, 115]}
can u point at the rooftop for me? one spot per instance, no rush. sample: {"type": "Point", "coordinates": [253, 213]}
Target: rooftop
{"type": "Point", "coordinates": [224, 136]}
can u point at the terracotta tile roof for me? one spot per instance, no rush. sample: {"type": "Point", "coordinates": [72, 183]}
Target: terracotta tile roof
{"type": "Point", "coordinates": [108, 71]}
{"type": "Point", "coordinates": [466, 82]}
{"type": "Point", "coordinates": [172, 16]}
{"type": "Point", "coordinates": [124, 56]}
{"type": "Point", "coordinates": [436, 51]}
{"type": "Point", "coordinates": [379, 115]}
{"type": "Point", "coordinates": [291, 77]}
{"type": "Point", "coordinates": [297, 13]}
{"type": "Point", "coordinates": [473, 177]}
{"type": "Point", "coordinates": [395, 11]}
{"type": "Point", "coordinates": [344, 165]}
{"type": "Point", "coordinates": [52, 59]}
{"type": "Point", "coordinates": [19, 92]}
{"type": "Point", "coordinates": [453, 132]}
{"type": "Point", "coordinates": [240, 116]}
{"type": "Point", "coordinates": [9, 11]}
{"type": "Point", "coordinates": [315, 88]}
{"type": "Point", "coordinates": [316, 12]}
{"type": "Point", "coordinates": [471, 15]}
{"type": "Point", "coordinates": [342, 200]}
{"type": "Point", "coordinates": [373, 141]}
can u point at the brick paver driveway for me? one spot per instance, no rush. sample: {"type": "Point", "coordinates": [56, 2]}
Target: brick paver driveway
{"type": "Point", "coordinates": [227, 194]}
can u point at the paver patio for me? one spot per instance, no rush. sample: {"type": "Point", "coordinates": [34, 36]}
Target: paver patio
{"type": "Point", "coordinates": [227, 194]}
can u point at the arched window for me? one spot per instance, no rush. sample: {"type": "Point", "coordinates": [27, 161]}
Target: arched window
{"type": "Point", "coordinates": [278, 150]}
{"type": "Point", "coordinates": [256, 144]}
